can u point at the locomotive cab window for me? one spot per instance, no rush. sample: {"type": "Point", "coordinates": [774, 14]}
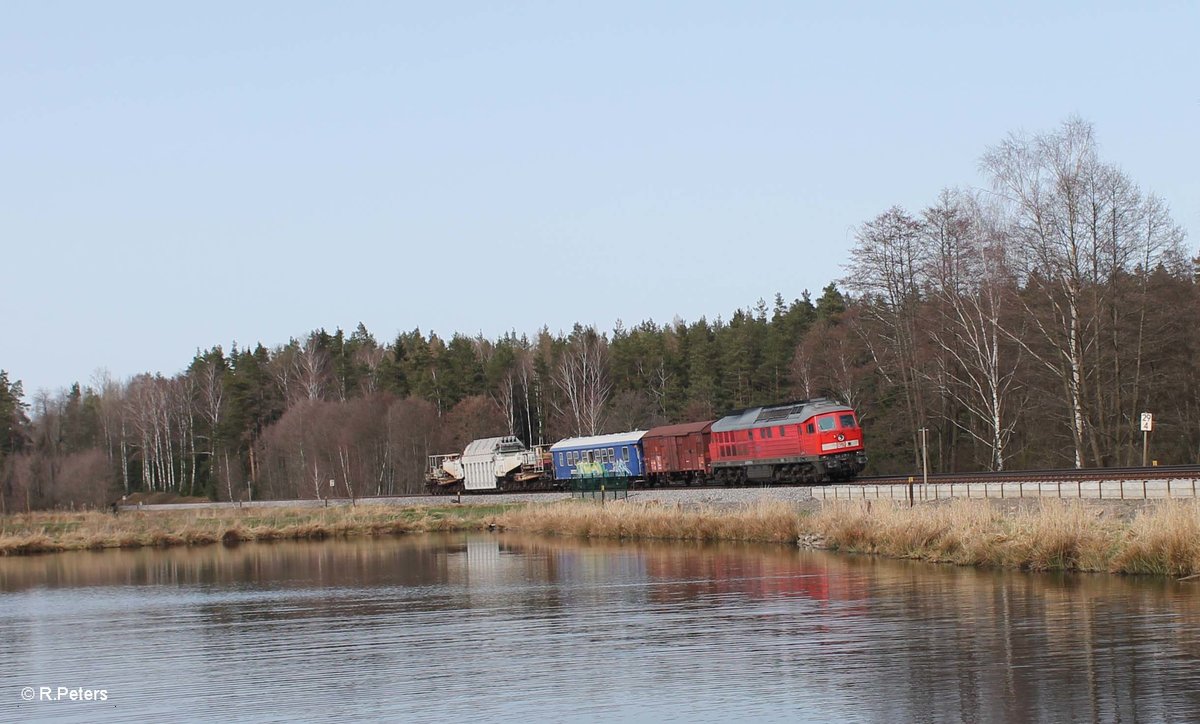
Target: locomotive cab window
{"type": "Point", "coordinates": [826, 423]}
{"type": "Point", "coordinates": [625, 453]}
{"type": "Point", "coordinates": [847, 420]}
{"type": "Point", "coordinates": [810, 429]}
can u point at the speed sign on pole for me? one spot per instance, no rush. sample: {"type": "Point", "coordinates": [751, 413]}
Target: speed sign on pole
{"type": "Point", "coordinates": [1147, 422]}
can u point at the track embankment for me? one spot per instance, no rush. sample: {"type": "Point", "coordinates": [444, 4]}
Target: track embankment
{"type": "Point", "coordinates": [1144, 535]}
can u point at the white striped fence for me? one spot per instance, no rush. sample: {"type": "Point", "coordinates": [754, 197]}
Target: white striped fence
{"type": "Point", "coordinates": [1089, 489]}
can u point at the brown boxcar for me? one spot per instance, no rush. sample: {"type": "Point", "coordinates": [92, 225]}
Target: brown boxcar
{"type": "Point", "coordinates": [677, 453]}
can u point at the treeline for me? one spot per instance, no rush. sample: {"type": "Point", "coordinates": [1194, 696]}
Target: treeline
{"type": "Point", "coordinates": [1024, 326]}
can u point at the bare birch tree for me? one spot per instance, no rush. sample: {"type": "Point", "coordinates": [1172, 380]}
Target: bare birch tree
{"type": "Point", "coordinates": [311, 367]}
{"type": "Point", "coordinates": [581, 375]}
{"type": "Point", "coordinates": [1078, 226]}
{"type": "Point", "coordinates": [884, 269]}
{"type": "Point", "coordinates": [969, 278]}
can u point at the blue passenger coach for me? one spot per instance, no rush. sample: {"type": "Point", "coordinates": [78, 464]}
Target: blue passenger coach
{"type": "Point", "coordinates": [599, 455]}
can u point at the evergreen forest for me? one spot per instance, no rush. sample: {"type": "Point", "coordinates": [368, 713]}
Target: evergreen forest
{"type": "Point", "coordinates": [1027, 324]}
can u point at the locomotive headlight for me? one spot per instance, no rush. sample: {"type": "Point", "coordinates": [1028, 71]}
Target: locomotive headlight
{"type": "Point", "coordinates": [841, 437]}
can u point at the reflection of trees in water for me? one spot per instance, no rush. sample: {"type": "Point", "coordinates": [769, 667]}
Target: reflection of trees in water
{"type": "Point", "coordinates": [1033, 647]}
{"type": "Point", "coordinates": [958, 642]}
{"type": "Point", "coordinates": [910, 639]}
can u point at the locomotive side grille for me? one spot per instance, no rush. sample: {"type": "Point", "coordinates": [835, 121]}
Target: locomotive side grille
{"type": "Point", "coordinates": [772, 414]}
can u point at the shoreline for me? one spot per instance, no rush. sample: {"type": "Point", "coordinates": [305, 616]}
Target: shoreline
{"type": "Point", "coordinates": [1157, 538]}
{"type": "Point", "coordinates": [54, 532]}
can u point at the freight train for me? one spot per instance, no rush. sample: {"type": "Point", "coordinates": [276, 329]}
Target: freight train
{"type": "Point", "coordinates": [807, 441]}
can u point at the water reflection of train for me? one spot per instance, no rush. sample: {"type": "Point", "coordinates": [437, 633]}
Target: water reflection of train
{"type": "Point", "coordinates": [809, 441]}
{"type": "Point", "coordinates": [753, 574]}
{"type": "Point", "coordinates": [666, 573]}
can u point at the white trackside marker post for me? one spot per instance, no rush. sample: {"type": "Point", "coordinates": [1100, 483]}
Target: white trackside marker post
{"type": "Point", "coordinates": [1147, 427]}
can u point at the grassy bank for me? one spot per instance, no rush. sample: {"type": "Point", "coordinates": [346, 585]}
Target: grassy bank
{"type": "Point", "coordinates": [55, 531]}
{"type": "Point", "coordinates": [1161, 539]}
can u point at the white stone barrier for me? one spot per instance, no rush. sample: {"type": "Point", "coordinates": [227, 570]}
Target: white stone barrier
{"type": "Point", "coordinates": [1161, 488]}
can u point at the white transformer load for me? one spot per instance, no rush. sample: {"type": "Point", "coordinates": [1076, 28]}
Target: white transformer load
{"type": "Point", "coordinates": [492, 463]}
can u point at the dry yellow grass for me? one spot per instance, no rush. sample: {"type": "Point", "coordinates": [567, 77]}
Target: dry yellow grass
{"type": "Point", "coordinates": [1055, 535]}
{"type": "Point", "coordinates": [53, 531]}
{"type": "Point", "coordinates": [1052, 536]}
{"type": "Point", "coordinates": [768, 522]}
{"type": "Point", "coordinates": [1163, 539]}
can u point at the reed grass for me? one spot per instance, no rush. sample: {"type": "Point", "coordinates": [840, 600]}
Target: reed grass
{"type": "Point", "coordinates": [48, 532]}
{"type": "Point", "coordinates": [1054, 535]}
{"type": "Point", "coordinates": [1161, 539]}
{"type": "Point", "coordinates": [765, 522]}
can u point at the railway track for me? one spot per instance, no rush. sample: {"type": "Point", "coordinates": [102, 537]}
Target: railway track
{"type": "Point", "coordinates": [1106, 475]}
{"type": "Point", "coordinates": [1159, 472]}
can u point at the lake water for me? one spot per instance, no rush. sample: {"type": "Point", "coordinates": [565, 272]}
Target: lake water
{"type": "Point", "coordinates": [506, 628]}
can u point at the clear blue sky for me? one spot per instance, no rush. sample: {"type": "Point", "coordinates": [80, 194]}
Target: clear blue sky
{"type": "Point", "coordinates": [175, 176]}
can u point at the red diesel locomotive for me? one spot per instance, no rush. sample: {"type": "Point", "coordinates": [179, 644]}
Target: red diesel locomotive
{"type": "Point", "coordinates": [807, 441]}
